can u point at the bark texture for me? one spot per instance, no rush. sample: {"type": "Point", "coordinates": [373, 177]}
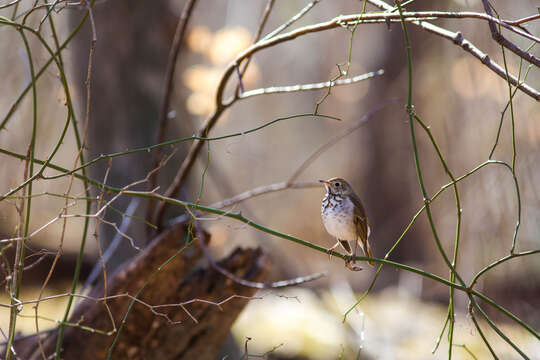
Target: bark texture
{"type": "Point", "coordinates": [147, 333]}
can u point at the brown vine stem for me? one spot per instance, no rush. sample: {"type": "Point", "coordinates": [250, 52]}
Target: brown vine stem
{"type": "Point", "coordinates": [498, 37]}
{"type": "Point", "coordinates": [169, 85]}
{"type": "Point", "coordinates": [458, 39]}
{"type": "Point", "coordinates": [310, 87]}
{"type": "Point", "coordinates": [89, 5]}
{"type": "Point", "coordinates": [340, 21]}
{"type": "Point", "coordinates": [264, 19]}
{"type": "Point", "coordinates": [523, 20]}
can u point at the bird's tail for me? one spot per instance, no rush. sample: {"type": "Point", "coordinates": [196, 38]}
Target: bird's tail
{"type": "Point", "coordinates": [367, 251]}
{"type": "Point", "coordinates": [369, 254]}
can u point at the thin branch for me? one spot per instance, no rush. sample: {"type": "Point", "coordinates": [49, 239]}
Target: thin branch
{"type": "Point", "coordinates": [150, 307]}
{"type": "Point", "coordinates": [500, 261]}
{"type": "Point", "coordinates": [37, 231]}
{"type": "Point", "coordinates": [264, 19]}
{"type": "Point", "coordinates": [308, 87]}
{"type": "Point", "coordinates": [76, 273]}
{"type": "Point", "coordinates": [261, 190]}
{"type": "Point", "coordinates": [458, 39]}
{"type": "Point", "coordinates": [121, 234]}
{"type": "Point", "coordinates": [292, 20]}
{"type": "Point", "coordinates": [42, 256]}
{"type": "Point", "coordinates": [18, 261]}
{"type": "Point", "coordinates": [14, 2]}
{"type": "Point", "coordinates": [498, 37]}
{"type": "Point", "coordinates": [258, 285]}
{"type": "Point", "coordinates": [433, 15]}
{"type": "Point", "coordinates": [335, 139]}
{"type": "Point", "coordinates": [98, 245]}
{"type": "Point", "coordinates": [169, 85]}
{"type": "Point", "coordinates": [98, 212]}
{"type": "Point", "coordinates": [134, 203]}
{"type": "Point", "coordinates": [523, 20]}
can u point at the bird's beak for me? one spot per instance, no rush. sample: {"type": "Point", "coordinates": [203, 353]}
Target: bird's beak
{"type": "Point", "coordinates": [325, 183]}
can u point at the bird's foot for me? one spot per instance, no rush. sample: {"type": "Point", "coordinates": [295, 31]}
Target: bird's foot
{"type": "Point", "coordinates": [330, 250]}
{"type": "Point", "coordinates": [349, 264]}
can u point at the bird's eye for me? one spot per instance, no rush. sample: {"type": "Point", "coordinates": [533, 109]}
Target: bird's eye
{"type": "Point", "coordinates": [338, 184]}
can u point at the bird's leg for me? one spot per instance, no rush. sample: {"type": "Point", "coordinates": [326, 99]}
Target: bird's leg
{"type": "Point", "coordinates": [350, 262]}
{"type": "Point", "coordinates": [329, 250]}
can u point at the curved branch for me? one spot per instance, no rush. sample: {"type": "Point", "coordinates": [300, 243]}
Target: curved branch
{"type": "Point", "coordinates": [498, 37]}
{"type": "Point", "coordinates": [308, 87]}
{"type": "Point", "coordinates": [458, 39]}
{"type": "Point", "coordinates": [167, 92]}
{"type": "Point", "coordinates": [336, 22]}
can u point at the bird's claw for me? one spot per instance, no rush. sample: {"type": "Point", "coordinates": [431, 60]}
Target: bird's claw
{"type": "Point", "coordinates": [349, 264]}
{"type": "Point", "coordinates": [330, 250]}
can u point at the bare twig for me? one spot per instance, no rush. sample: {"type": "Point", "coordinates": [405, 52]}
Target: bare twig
{"type": "Point", "coordinates": [100, 251]}
{"type": "Point", "coordinates": [261, 190]}
{"type": "Point", "coordinates": [523, 20]}
{"type": "Point", "coordinates": [292, 20]}
{"type": "Point", "coordinates": [9, 4]}
{"type": "Point", "coordinates": [37, 231]}
{"type": "Point", "coordinates": [121, 234]}
{"type": "Point", "coordinates": [498, 37]}
{"type": "Point", "coordinates": [18, 261]}
{"type": "Point", "coordinates": [250, 194]}
{"type": "Point", "coordinates": [150, 307]}
{"type": "Point", "coordinates": [308, 87]}
{"type": "Point", "coordinates": [98, 212]}
{"type": "Point", "coordinates": [59, 252]}
{"type": "Point", "coordinates": [18, 265]}
{"type": "Point", "coordinates": [333, 140]}
{"type": "Point", "coordinates": [433, 15]}
{"type": "Point", "coordinates": [258, 285]}
{"type": "Point", "coordinates": [78, 157]}
{"type": "Point", "coordinates": [42, 256]}
{"type": "Point", "coordinates": [11, 348]}
{"type": "Point", "coordinates": [114, 244]}
{"type": "Point", "coordinates": [458, 39]}
{"type": "Point", "coordinates": [269, 5]}
{"type": "Point", "coordinates": [169, 84]}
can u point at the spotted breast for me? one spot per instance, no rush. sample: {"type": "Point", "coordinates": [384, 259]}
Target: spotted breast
{"type": "Point", "coordinates": [338, 217]}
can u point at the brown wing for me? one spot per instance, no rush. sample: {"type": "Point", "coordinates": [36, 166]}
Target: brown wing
{"type": "Point", "coordinates": [346, 246]}
{"type": "Point", "coordinates": [362, 227]}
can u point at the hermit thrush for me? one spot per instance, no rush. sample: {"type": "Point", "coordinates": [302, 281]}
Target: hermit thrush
{"type": "Point", "coordinates": [344, 218]}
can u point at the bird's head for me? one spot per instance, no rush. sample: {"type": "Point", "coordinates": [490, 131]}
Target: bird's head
{"type": "Point", "coordinates": [337, 186]}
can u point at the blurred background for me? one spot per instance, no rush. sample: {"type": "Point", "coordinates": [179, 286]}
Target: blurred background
{"type": "Point", "coordinates": [458, 97]}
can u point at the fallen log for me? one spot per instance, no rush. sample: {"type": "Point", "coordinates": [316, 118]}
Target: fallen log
{"type": "Point", "coordinates": [202, 305]}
